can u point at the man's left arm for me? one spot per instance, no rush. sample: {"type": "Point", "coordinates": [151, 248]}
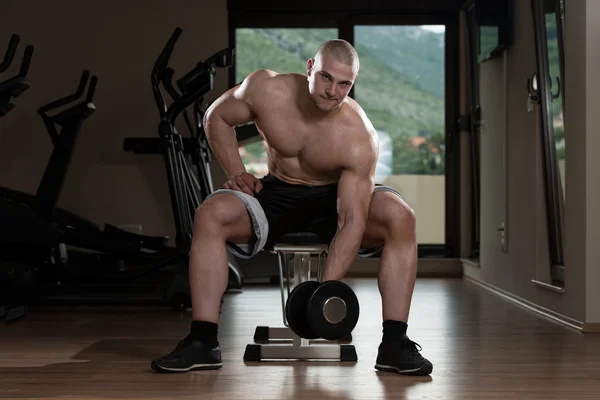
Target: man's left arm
{"type": "Point", "coordinates": [355, 190]}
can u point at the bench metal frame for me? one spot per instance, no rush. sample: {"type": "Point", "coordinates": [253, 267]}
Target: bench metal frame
{"type": "Point", "coordinates": [273, 343]}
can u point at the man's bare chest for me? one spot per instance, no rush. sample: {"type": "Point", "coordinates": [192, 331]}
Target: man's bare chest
{"type": "Point", "coordinates": [289, 136]}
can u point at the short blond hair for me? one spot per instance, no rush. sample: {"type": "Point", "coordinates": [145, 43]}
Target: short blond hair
{"type": "Point", "coordinates": [340, 50]}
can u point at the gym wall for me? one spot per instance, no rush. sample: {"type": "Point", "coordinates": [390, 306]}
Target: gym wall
{"type": "Point", "coordinates": [582, 58]}
{"type": "Point", "coordinates": [118, 41]}
{"type": "Point", "coordinates": [512, 185]}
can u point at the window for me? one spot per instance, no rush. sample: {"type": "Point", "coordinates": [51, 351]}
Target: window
{"type": "Point", "coordinates": [407, 86]}
{"type": "Point", "coordinates": [548, 18]}
{"type": "Point", "coordinates": [401, 88]}
{"type": "Point", "coordinates": [552, 24]}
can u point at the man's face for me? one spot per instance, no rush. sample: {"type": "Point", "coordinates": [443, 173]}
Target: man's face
{"type": "Point", "coordinates": [329, 82]}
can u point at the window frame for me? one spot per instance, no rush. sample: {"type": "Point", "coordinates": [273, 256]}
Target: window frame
{"type": "Point", "coordinates": [345, 22]}
{"type": "Point", "coordinates": [474, 119]}
{"type": "Point", "coordinates": [554, 208]}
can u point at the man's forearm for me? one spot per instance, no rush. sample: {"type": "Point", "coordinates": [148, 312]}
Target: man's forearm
{"type": "Point", "coordinates": [343, 250]}
{"type": "Point", "coordinates": [223, 143]}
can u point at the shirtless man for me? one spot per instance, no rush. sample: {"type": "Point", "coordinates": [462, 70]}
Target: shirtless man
{"type": "Point", "coordinates": [322, 151]}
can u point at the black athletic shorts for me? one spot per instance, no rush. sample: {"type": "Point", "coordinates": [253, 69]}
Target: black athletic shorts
{"type": "Point", "coordinates": [281, 208]}
{"type": "Point", "coordinates": [298, 208]}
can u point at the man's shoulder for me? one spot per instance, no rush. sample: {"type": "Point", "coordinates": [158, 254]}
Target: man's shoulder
{"type": "Point", "coordinates": [273, 78]}
{"type": "Point", "coordinates": [270, 83]}
{"type": "Point", "coordinates": [257, 79]}
{"type": "Point", "coordinates": [360, 137]}
{"type": "Point", "coordinates": [357, 118]}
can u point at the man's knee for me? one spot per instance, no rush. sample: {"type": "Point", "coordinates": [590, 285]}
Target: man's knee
{"type": "Point", "coordinates": [214, 213]}
{"type": "Point", "coordinates": [399, 216]}
{"type": "Point", "coordinates": [223, 216]}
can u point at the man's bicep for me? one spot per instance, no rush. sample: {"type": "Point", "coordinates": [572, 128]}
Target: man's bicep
{"type": "Point", "coordinates": [354, 196]}
{"type": "Point", "coordinates": [356, 185]}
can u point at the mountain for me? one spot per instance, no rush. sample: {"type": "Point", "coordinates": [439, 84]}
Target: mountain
{"type": "Point", "coordinates": [414, 52]}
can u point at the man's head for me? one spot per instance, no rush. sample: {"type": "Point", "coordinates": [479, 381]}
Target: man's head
{"type": "Point", "coordinates": [331, 73]}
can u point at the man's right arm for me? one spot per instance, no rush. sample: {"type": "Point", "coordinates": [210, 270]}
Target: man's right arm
{"type": "Point", "coordinates": [232, 108]}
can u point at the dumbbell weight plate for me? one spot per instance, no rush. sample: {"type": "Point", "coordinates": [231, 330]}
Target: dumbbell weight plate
{"type": "Point", "coordinates": [332, 310]}
{"type": "Point", "coordinates": [295, 309]}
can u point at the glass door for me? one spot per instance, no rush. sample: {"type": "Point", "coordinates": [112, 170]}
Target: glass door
{"type": "Point", "coordinates": [402, 86]}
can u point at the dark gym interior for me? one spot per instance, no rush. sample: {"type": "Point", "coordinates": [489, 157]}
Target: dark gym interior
{"type": "Point", "coordinates": [481, 107]}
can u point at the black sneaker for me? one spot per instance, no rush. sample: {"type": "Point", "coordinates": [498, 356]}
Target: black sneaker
{"type": "Point", "coordinates": [402, 357]}
{"type": "Point", "coordinates": [189, 355]}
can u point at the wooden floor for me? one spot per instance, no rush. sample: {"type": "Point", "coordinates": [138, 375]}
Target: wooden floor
{"type": "Point", "coordinates": [481, 346]}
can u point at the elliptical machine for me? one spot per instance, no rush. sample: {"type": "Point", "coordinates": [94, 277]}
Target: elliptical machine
{"type": "Point", "coordinates": [186, 190]}
{"type": "Point", "coordinates": [79, 231]}
{"type": "Point", "coordinates": [47, 251]}
{"type": "Point", "coordinates": [12, 88]}
{"type": "Point", "coordinates": [15, 277]}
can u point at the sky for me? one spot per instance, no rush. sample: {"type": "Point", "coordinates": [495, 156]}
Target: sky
{"type": "Point", "coordinates": [434, 28]}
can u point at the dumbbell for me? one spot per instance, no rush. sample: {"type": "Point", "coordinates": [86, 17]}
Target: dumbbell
{"type": "Point", "coordinates": [327, 310]}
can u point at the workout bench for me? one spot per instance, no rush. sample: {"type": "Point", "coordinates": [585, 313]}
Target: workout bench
{"type": "Point", "coordinates": [303, 247]}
